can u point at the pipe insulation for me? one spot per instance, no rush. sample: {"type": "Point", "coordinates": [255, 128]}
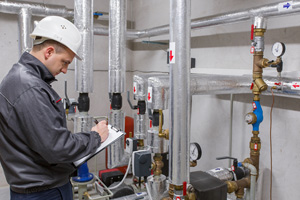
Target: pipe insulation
{"type": "Point", "coordinates": [210, 84]}
{"type": "Point", "coordinates": [11, 7]}
{"type": "Point", "coordinates": [83, 20]}
{"type": "Point", "coordinates": [180, 36]}
{"type": "Point", "coordinates": [24, 23]}
{"type": "Point", "coordinates": [117, 45]}
{"type": "Point", "coordinates": [269, 10]}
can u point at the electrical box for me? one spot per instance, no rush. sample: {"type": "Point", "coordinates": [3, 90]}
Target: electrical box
{"type": "Point", "coordinates": [208, 187]}
{"type": "Point", "coordinates": [141, 163]}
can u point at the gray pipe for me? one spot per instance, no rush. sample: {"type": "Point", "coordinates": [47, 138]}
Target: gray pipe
{"type": "Point", "coordinates": [83, 20]}
{"type": "Point", "coordinates": [10, 7]}
{"type": "Point", "coordinates": [117, 46]}
{"type": "Point", "coordinates": [24, 22]}
{"type": "Point", "coordinates": [180, 34]}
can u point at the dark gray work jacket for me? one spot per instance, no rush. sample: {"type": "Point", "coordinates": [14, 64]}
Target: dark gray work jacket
{"type": "Point", "coordinates": [36, 148]}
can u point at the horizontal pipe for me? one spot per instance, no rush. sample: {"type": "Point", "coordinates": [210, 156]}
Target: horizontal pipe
{"type": "Point", "coordinates": [270, 10]}
{"type": "Point", "coordinates": [11, 7]}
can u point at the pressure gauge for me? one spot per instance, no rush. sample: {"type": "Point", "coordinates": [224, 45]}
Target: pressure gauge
{"type": "Point", "coordinates": [278, 49]}
{"type": "Point", "coordinates": [250, 118]}
{"type": "Point", "coordinates": [195, 151]}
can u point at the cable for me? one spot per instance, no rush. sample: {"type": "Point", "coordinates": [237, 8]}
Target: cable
{"type": "Point", "coordinates": [125, 175]}
{"type": "Point", "coordinates": [271, 145]}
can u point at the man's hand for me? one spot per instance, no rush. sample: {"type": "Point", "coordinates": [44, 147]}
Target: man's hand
{"type": "Point", "coordinates": [102, 129]}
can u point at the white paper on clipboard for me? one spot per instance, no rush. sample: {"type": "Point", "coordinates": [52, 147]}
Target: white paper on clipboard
{"type": "Point", "coordinates": [114, 134]}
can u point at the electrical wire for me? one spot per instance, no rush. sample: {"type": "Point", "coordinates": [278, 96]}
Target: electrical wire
{"type": "Point", "coordinates": [271, 171]}
{"type": "Point", "coordinates": [128, 167]}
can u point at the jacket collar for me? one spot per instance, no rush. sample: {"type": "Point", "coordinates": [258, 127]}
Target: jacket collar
{"type": "Point", "coordinates": [37, 66]}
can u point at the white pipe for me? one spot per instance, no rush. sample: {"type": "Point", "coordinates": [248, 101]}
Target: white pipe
{"type": "Point", "coordinates": [24, 22]}
{"type": "Point", "coordinates": [11, 7]}
{"type": "Point", "coordinates": [253, 173]}
{"type": "Point", "coordinates": [83, 20]}
{"type": "Point", "coordinates": [180, 36]}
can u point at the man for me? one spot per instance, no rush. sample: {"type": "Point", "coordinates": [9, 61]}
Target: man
{"type": "Point", "coordinates": [36, 149]}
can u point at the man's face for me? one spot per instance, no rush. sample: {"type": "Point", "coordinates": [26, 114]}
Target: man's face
{"type": "Point", "coordinates": [59, 62]}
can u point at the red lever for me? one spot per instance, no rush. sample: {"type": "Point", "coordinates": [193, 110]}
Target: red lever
{"type": "Point", "coordinates": [252, 31]}
{"type": "Point", "coordinates": [184, 188]}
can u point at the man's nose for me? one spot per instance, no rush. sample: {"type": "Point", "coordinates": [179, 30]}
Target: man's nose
{"type": "Point", "coordinates": [64, 70]}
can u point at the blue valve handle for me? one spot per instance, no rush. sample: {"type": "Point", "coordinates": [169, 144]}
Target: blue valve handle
{"type": "Point", "coordinates": [83, 174]}
{"type": "Point", "coordinates": [257, 110]}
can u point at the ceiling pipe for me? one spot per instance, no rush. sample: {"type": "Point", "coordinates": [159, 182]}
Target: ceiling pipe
{"type": "Point", "coordinates": [24, 22]}
{"type": "Point", "coordinates": [11, 7]}
{"type": "Point", "coordinates": [83, 20]}
{"type": "Point", "coordinates": [269, 10]}
{"type": "Point", "coordinates": [180, 35]}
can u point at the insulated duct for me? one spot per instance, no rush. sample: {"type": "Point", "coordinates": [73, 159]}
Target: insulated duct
{"type": "Point", "coordinates": [270, 10]}
{"type": "Point", "coordinates": [24, 22]}
{"type": "Point", "coordinates": [180, 37]}
{"type": "Point", "coordinates": [11, 7]}
{"type": "Point", "coordinates": [117, 46]}
{"type": "Point", "coordinates": [83, 20]}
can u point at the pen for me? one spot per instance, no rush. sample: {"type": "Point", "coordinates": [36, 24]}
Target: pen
{"type": "Point", "coordinates": [96, 121]}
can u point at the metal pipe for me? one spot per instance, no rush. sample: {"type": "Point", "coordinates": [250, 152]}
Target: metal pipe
{"type": "Point", "coordinates": [83, 20]}
{"type": "Point", "coordinates": [230, 128]}
{"type": "Point", "coordinates": [253, 173]}
{"type": "Point", "coordinates": [24, 22]}
{"type": "Point", "coordinates": [117, 46]}
{"type": "Point", "coordinates": [269, 10]}
{"type": "Point", "coordinates": [11, 7]}
{"type": "Point", "coordinates": [180, 93]}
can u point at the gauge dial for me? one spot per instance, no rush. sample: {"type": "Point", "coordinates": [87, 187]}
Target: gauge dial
{"type": "Point", "coordinates": [195, 151]}
{"type": "Point", "coordinates": [278, 49]}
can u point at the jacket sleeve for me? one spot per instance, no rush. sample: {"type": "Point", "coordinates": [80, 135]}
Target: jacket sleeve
{"type": "Point", "coordinates": [42, 119]}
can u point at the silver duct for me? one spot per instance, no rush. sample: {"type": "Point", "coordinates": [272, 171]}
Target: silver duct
{"type": "Point", "coordinates": [117, 46]}
{"type": "Point", "coordinates": [180, 36]}
{"type": "Point", "coordinates": [83, 20]}
{"type": "Point", "coordinates": [10, 7]}
{"type": "Point", "coordinates": [24, 22]}
{"type": "Point", "coordinates": [117, 68]}
{"type": "Point", "coordinates": [270, 10]}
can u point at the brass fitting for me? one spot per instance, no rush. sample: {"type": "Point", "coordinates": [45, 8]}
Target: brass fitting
{"type": "Point", "coordinates": [193, 163]}
{"type": "Point", "coordinates": [191, 193]}
{"type": "Point", "coordinates": [259, 31]}
{"type": "Point", "coordinates": [260, 83]}
{"type": "Point", "coordinates": [157, 165]}
{"type": "Point", "coordinates": [160, 121]}
{"type": "Point", "coordinates": [263, 63]}
{"type": "Point", "coordinates": [164, 134]}
{"type": "Point", "coordinates": [140, 142]}
{"type": "Point", "coordinates": [231, 186]}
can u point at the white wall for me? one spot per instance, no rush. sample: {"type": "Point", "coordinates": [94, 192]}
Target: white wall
{"type": "Point", "coordinates": [99, 98]}
{"type": "Point", "coordinates": [228, 47]}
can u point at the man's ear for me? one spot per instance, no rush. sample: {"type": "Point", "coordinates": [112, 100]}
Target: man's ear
{"type": "Point", "coordinates": [49, 51]}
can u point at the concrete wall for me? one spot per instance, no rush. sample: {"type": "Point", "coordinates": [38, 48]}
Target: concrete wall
{"type": "Point", "coordinates": [228, 47]}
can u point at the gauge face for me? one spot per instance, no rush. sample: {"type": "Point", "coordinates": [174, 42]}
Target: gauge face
{"type": "Point", "coordinates": [195, 151]}
{"type": "Point", "coordinates": [278, 49]}
{"type": "Point", "coordinates": [248, 118]}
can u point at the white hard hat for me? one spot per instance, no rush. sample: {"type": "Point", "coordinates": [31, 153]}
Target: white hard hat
{"type": "Point", "coordinates": [58, 29]}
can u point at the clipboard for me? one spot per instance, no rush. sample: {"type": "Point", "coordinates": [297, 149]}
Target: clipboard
{"type": "Point", "coordinates": [114, 134]}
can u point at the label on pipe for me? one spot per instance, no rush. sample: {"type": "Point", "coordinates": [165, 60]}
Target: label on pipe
{"type": "Point", "coordinates": [134, 87]}
{"type": "Point", "coordinates": [149, 94]}
{"type": "Point", "coordinates": [285, 6]}
{"type": "Point", "coordinates": [295, 86]}
{"type": "Point", "coordinates": [172, 53]}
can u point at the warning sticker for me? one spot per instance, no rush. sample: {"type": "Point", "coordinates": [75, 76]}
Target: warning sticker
{"type": "Point", "coordinates": [149, 98]}
{"type": "Point", "coordinates": [172, 53]}
{"type": "Point", "coordinates": [285, 6]}
{"type": "Point", "coordinates": [295, 86]}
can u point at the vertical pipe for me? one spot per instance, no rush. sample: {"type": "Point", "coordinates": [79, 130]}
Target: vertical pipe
{"type": "Point", "coordinates": [230, 129]}
{"type": "Point", "coordinates": [83, 18]}
{"type": "Point", "coordinates": [117, 68]}
{"type": "Point", "coordinates": [117, 45]}
{"type": "Point", "coordinates": [24, 22]}
{"type": "Point", "coordinates": [180, 92]}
